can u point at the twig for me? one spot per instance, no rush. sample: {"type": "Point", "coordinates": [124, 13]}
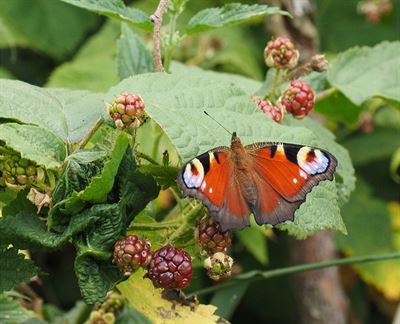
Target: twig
{"type": "Point", "coordinates": [156, 18]}
{"type": "Point", "coordinates": [257, 275]}
{"type": "Point", "coordinates": [90, 133]}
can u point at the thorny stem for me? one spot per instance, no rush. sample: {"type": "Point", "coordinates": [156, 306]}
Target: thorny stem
{"type": "Point", "coordinates": [156, 18]}
{"type": "Point", "coordinates": [161, 225]}
{"type": "Point", "coordinates": [90, 133]}
{"type": "Point", "coordinates": [275, 83]}
{"type": "Point", "coordinates": [257, 275]}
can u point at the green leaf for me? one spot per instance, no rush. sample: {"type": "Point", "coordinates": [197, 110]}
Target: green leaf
{"type": "Point", "coordinates": [255, 241]}
{"type": "Point", "coordinates": [227, 299]}
{"type": "Point", "coordinates": [95, 278]}
{"type": "Point", "coordinates": [365, 72]}
{"type": "Point", "coordinates": [176, 100]}
{"type": "Point", "coordinates": [11, 311]}
{"type": "Point", "coordinates": [51, 26]}
{"type": "Point", "coordinates": [130, 315]}
{"type": "Point", "coordinates": [132, 56]}
{"type": "Point", "coordinates": [370, 232]}
{"type": "Point", "coordinates": [90, 182]}
{"type": "Point", "coordinates": [32, 105]}
{"type": "Point", "coordinates": [34, 143]}
{"type": "Point", "coordinates": [81, 111]}
{"type": "Point", "coordinates": [15, 269]}
{"type": "Point", "coordinates": [142, 296]}
{"type": "Point", "coordinates": [229, 15]}
{"type": "Point", "coordinates": [338, 108]}
{"type": "Point", "coordinates": [115, 9]}
{"type": "Point", "coordinates": [164, 175]}
{"type": "Point", "coordinates": [93, 67]}
{"type": "Point", "coordinates": [359, 145]}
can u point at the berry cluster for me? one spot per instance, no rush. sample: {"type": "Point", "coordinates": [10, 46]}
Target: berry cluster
{"type": "Point", "coordinates": [15, 170]}
{"type": "Point", "coordinates": [272, 111]}
{"type": "Point", "coordinates": [214, 244]}
{"type": "Point", "coordinates": [169, 267]}
{"type": "Point", "coordinates": [109, 311]}
{"type": "Point", "coordinates": [127, 110]}
{"type": "Point", "coordinates": [298, 99]}
{"type": "Point", "coordinates": [281, 53]}
{"type": "Point", "coordinates": [374, 10]}
{"type": "Point", "coordinates": [131, 253]}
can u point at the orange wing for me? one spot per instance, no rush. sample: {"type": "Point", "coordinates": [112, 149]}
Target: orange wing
{"type": "Point", "coordinates": [284, 175]}
{"type": "Point", "coordinates": [209, 178]}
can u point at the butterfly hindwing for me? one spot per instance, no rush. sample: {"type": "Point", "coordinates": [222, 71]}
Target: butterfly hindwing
{"type": "Point", "coordinates": [209, 178]}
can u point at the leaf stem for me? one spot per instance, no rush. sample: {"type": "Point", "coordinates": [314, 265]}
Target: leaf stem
{"type": "Point", "coordinates": [171, 46]}
{"type": "Point", "coordinates": [156, 18]}
{"type": "Point", "coordinates": [257, 274]}
{"type": "Point", "coordinates": [144, 156]}
{"type": "Point", "coordinates": [90, 133]}
{"type": "Point", "coordinates": [325, 93]}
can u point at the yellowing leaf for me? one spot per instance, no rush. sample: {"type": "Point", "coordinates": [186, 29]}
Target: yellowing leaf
{"type": "Point", "coordinates": [142, 295]}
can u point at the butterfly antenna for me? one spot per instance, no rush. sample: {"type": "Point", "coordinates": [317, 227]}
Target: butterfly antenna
{"type": "Point", "coordinates": [230, 133]}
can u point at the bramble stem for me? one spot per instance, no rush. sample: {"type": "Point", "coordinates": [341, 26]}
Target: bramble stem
{"type": "Point", "coordinates": [144, 156]}
{"type": "Point", "coordinates": [257, 274]}
{"type": "Point", "coordinates": [90, 133]}
{"type": "Point", "coordinates": [156, 18]}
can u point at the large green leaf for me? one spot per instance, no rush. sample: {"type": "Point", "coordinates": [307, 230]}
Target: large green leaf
{"type": "Point", "coordinates": [370, 232]}
{"type": "Point", "coordinates": [51, 26]}
{"type": "Point", "coordinates": [115, 9]}
{"type": "Point", "coordinates": [69, 114]}
{"type": "Point", "coordinates": [228, 15]}
{"type": "Point", "coordinates": [132, 56]}
{"type": "Point", "coordinates": [33, 105]}
{"type": "Point", "coordinates": [175, 101]}
{"type": "Point", "coordinates": [94, 67]}
{"type": "Point", "coordinates": [365, 72]}
{"type": "Point", "coordinates": [359, 145]}
{"type": "Point", "coordinates": [34, 143]}
{"type": "Point", "coordinates": [81, 111]}
{"type": "Point", "coordinates": [14, 269]}
{"type": "Point", "coordinates": [11, 311]}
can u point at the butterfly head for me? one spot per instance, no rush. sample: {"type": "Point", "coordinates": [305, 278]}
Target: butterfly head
{"type": "Point", "coordinates": [235, 141]}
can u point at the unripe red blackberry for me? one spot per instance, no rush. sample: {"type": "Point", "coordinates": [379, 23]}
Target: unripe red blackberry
{"type": "Point", "coordinates": [131, 252]}
{"type": "Point", "coordinates": [127, 110]}
{"type": "Point", "coordinates": [170, 268]}
{"type": "Point", "coordinates": [273, 112]}
{"type": "Point", "coordinates": [218, 266]}
{"type": "Point", "coordinates": [281, 53]}
{"type": "Point", "coordinates": [298, 99]}
{"type": "Point", "coordinates": [209, 236]}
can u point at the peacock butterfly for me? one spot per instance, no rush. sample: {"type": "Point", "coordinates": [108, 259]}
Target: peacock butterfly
{"type": "Point", "coordinates": [270, 180]}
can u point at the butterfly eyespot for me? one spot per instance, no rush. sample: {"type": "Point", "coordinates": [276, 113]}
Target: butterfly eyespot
{"type": "Point", "coordinates": [193, 174]}
{"type": "Point", "coordinates": [312, 161]}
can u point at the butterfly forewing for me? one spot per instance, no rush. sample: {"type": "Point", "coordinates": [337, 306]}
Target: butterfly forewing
{"type": "Point", "coordinates": [209, 178]}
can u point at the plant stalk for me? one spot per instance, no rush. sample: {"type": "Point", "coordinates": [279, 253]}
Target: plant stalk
{"type": "Point", "coordinates": [257, 274]}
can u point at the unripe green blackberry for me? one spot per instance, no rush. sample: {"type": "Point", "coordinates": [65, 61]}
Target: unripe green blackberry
{"type": "Point", "coordinates": [209, 236]}
{"type": "Point", "coordinates": [127, 110]}
{"type": "Point", "coordinates": [132, 252]}
{"type": "Point", "coordinates": [218, 266]}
